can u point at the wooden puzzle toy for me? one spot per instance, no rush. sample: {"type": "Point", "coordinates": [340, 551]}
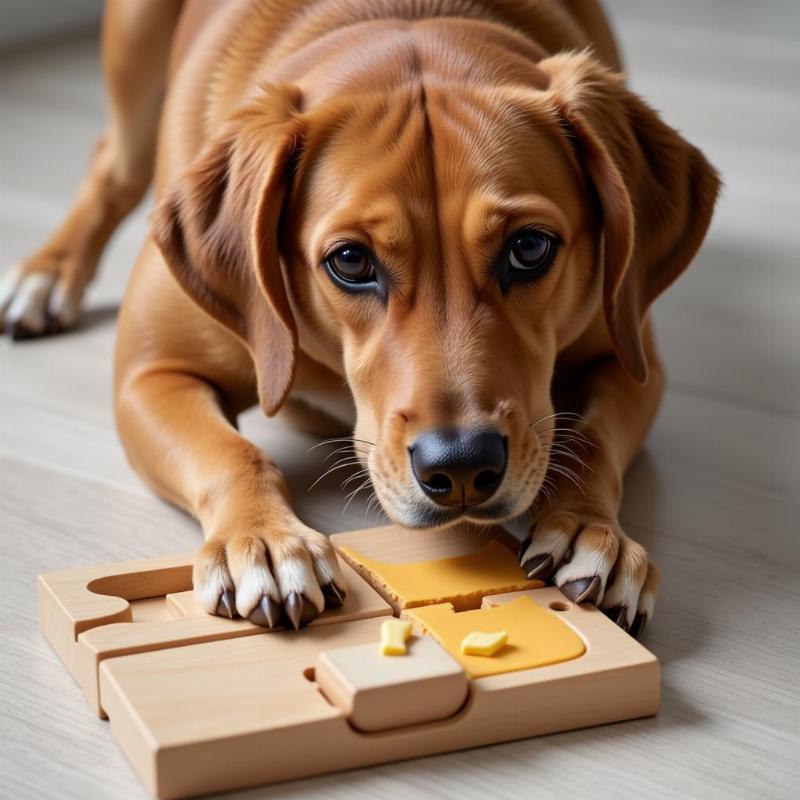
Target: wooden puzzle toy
{"type": "Point", "coordinates": [201, 704]}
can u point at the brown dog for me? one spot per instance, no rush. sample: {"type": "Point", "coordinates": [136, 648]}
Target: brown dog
{"type": "Point", "coordinates": [435, 222]}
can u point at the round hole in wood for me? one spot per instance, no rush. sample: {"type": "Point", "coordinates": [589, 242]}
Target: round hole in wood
{"type": "Point", "coordinates": [559, 605]}
{"type": "Point", "coordinates": [309, 674]}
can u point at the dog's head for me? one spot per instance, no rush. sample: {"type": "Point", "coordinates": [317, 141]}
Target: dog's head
{"type": "Point", "coordinates": [440, 243]}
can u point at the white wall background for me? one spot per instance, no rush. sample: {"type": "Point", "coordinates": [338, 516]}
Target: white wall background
{"type": "Point", "coordinates": [23, 21]}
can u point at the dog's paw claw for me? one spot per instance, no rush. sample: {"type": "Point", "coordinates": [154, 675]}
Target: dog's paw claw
{"type": "Point", "coordinates": [267, 613]}
{"type": "Point", "coordinates": [19, 332]}
{"type": "Point", "coordinates": [540, 566]}
{"type": "Point", "coordinates": [333, 594]}
{"type": "Point", "coordinates": [226, 607]}
{"type": "Point", "coordinates": [618, 615]}
{"type": "Point", "coordinates": [583, 590]}
{"type": "Point", "coordinates": [639, 624]}
{"type": "Point", "coordinates": [299, 609]}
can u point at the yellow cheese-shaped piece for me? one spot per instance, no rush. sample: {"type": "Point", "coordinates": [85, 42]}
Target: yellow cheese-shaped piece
{"type": "Point", "coordinates": [537, 636]}
{"type": "Point", "coordinates": [483, 644]}
{"type": "Point", "coordinates": [460, 580]}
{"type": "Point", "coordinates": [394, 633]}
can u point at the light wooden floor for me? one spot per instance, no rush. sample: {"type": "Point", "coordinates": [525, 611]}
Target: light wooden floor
{"type": "Point", "coordinates": [714, 497]}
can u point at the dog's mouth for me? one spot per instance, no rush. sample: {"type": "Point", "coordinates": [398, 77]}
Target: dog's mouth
{"type": "Point", "coordinates": [418, 513]}
{"type": "Point", "coordinates": [427, 517]}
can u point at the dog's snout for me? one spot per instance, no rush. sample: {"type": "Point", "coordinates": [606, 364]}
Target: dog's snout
{"type": "Point", "coordinates": [459, 467]}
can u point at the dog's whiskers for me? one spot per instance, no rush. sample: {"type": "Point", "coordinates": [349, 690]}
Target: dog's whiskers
{"type": "Point", "coordinates": [560, 447]}
{"type": "Point", "coordinates": [355, 450]}
{"type": "Point", "coordinates": [337, 465]}
{"type": "Point", "coordinates": [375, 503]}
{"type": "Point", "coordinates": [569, 474]}
{"type": "Point", "coordinates": [351, 496]}
{"type": "Point", "coordinates": [569, 434]}
{"type": "Point", "coordinates": [566, 416]}
{"type": "Point", "coordinates": [339, 439]}
{"type": "Point", "coordinates": [354, 477]}
{"type": "Point", "coordinates": [348, 448]}
{"type": "Point", "coordinates": [561, 450]}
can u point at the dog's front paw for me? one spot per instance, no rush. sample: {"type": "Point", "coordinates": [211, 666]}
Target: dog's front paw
{"type": "Point", "coordinates": [37, 297]}
{"type": "Point", "coordinates": [591, 560]}
{"type": "Point", "coordinates": [271, 575]}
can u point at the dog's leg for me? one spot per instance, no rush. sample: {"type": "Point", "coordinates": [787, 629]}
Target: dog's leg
{"type": "Point", "coordinates": [576, 537]}
{"type": "Point", "coordinates": [259, 560]}
{"type": "Point", "coordinates": [44, 291]}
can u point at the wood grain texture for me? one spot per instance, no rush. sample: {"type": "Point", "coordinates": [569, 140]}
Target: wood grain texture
{"type": "Point", "coordinates": [714, 497]}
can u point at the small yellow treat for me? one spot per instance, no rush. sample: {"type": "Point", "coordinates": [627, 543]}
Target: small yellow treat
{"type": "Point", "coordinates": [483, 644]}
{"type": "Point", "coordinates": [394, 633]}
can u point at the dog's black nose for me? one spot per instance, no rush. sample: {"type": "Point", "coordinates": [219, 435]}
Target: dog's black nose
{"type": "Point", "coordinates": [457, 467]}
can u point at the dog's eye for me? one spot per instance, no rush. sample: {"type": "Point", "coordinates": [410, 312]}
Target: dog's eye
{"type": "Point", "coordinates": [352, 265]}
{"type": "Point", "coordinates": [529, 253]}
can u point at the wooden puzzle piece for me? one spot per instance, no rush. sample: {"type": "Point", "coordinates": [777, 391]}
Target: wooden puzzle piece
{"type": "Point", "coordinates": [395, 545]}
{"type": "Point", "coordinates": [86, 627]}
{"type": "Point", "coordinates": [462, 579]}
{"type": "Point", "coordinates": [75, 600]}
{"type": "Point", "coordinates": [378, 692]}
{"type": "Point", "coordinates": [536, 636]}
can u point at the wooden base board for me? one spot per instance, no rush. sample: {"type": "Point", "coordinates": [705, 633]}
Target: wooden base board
{"type": "Point", "coordinates": [201, 704]}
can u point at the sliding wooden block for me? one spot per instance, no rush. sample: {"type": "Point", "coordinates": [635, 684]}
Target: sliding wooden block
{"type": "Point", "coordinates": [228, 714]}
{"type": "Point", "coordinates": [537, 636]}
{"type": "Point", "coordinates": [149, 605]}
{"type": "Point", "coordinates": [378, 692]}
{"type": "Point", "coordinates": [453, 566]}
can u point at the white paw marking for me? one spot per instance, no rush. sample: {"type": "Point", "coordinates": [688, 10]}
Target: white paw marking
{"type": "Point", "coordinates": [297, 575]}
{"type": "Point", "coordinates": [586, 562]}
{"type": "Point", "coordinates": [553, 540]}
{"type": "Point", "coordinates": [324, 560]}
{"type": "Point", "coordinates": [256, 580]}
{"type": "Point", "coordinates": [28, 305]}
{"type": "Point", "coordinates": [328, 572]}
{"type": "Point", "coordinates": [208, 590]}
{"type": "Point", "coordinates": [8, 285]}
{"type": "Point", "coordinates": [647, 604]}
{"type": "Point", "coordinates": [624, 591]}
{"type": "Point", "coordinates": [63, 305]}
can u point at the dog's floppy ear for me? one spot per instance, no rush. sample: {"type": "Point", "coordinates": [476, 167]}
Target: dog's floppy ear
{"type": "Point", "coordinates": [218, 229]}
{"type": "Point", "coordinates": [657, 192]}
